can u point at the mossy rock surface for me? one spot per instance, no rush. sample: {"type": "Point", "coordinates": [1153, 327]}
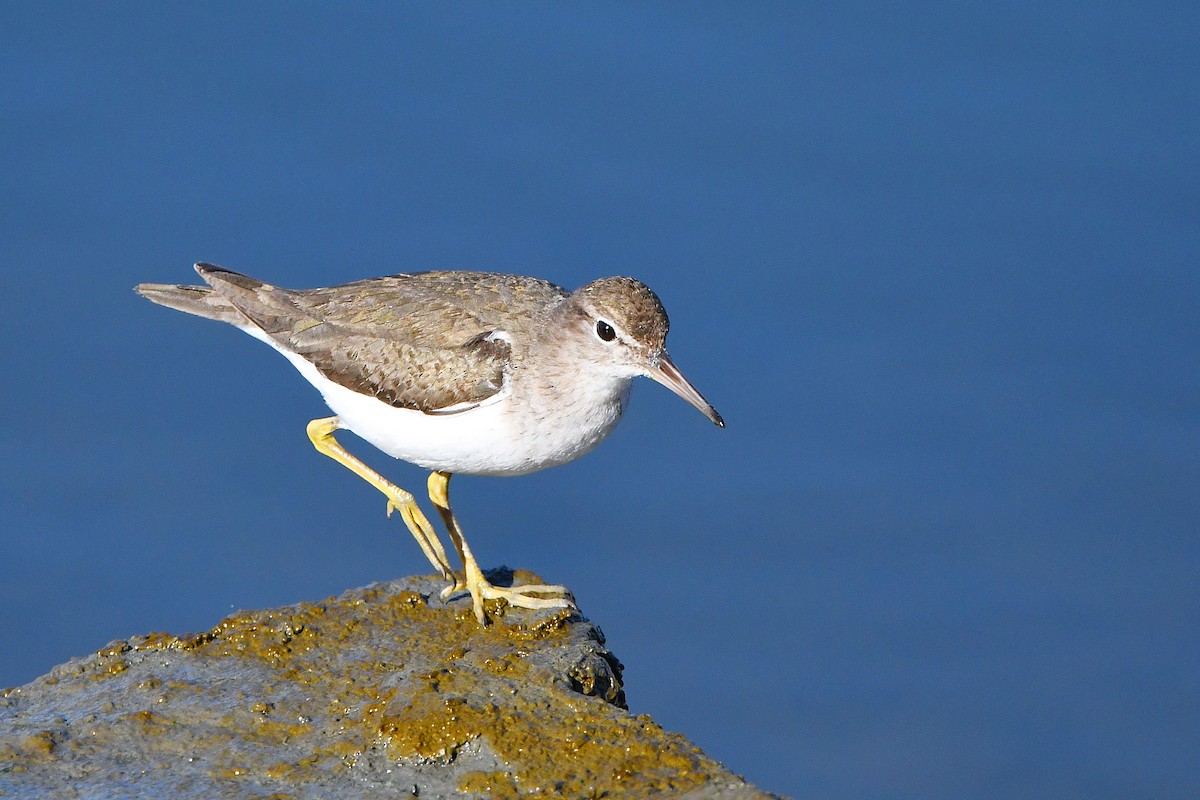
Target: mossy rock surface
{"type": "Point", "coordinates": [382, 692]}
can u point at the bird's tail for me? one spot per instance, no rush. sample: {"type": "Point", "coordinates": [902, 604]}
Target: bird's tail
{"type": "Point", "coordinates": [199, 300]}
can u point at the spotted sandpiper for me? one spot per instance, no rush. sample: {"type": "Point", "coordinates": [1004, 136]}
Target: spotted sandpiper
{"type": "Point", "coordinates": [458, 372]}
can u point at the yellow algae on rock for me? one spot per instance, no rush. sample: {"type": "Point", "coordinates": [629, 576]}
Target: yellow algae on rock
{"type": "Point", "coordinates": [488, 784]}
{"type": "Point", "coordinates": [553, 741]}
{"type": "Point", "coordinates": [39, 745]}
{"type": "Point", "coordinates": [382, 692]}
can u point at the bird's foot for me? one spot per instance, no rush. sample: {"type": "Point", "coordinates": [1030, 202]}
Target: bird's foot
{"type": "Point", "coordinates": [522, 596]}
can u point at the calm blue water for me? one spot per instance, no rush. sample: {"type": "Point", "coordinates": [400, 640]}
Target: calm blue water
{"type": "Point", "coordinates": [937, 267]}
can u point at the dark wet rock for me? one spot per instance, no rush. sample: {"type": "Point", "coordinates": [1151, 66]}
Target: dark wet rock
{"type": "Point", "coordinates": [383, 692]}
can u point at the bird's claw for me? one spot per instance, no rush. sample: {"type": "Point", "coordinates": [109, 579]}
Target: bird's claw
{"type": "Point", "coordinates": [459, 585]}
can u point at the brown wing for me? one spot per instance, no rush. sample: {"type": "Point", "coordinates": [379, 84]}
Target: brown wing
{"type": "Point", "coordinates": [428, 341]}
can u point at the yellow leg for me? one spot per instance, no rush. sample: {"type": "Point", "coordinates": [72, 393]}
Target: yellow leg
{"type": "Point", "coordinates": [476, 584]}
{"type": "Point", "coordinates": [320, 431]}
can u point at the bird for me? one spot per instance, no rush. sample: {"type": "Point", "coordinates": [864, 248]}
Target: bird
{"type": "Point", "coordinates": [458, 372]}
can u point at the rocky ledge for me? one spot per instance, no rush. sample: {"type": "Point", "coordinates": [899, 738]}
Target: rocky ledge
{"type": "Point", "coordinates": [382, 692]}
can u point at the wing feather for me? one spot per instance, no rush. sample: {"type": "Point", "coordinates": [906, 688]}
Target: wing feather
{"type": "Point", "coordinates": [434, 342]}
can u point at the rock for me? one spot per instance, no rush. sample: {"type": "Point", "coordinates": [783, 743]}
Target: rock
{"type": "Point", "coordinates": [383, 692]}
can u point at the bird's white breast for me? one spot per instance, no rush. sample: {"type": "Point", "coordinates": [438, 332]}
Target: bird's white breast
{"type": "Point", "coordinates": [494, 438]}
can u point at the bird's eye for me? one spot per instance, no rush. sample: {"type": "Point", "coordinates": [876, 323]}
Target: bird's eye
{"type": "Point", "coordinates": [605, 331]}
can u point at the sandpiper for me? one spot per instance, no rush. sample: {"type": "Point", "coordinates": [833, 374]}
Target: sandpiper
{"type": "Point", "coordinates": [458, 372]}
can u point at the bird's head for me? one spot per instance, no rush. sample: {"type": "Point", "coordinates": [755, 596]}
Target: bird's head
{"type": "Point", "coordinates": [621, 325]}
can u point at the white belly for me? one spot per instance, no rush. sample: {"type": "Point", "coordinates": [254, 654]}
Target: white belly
{"type": "Point", "coordinates": [486, 440]}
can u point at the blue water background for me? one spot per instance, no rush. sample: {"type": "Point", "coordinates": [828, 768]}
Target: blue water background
{"type": "Point", "coordinates": [937, 264]}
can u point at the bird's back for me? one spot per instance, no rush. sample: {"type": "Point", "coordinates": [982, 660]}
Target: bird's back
{"type": "Point", "coordinates": [427, 341]}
